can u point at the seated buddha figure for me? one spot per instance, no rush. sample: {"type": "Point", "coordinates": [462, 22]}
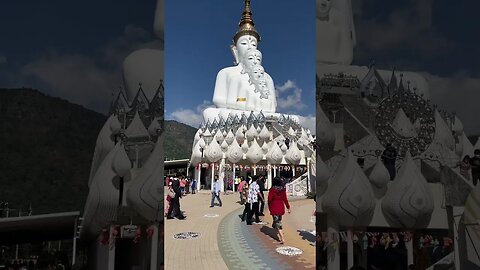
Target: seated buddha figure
{"type": "Point", "coordinates": [336, 41]}
{"type": "Point", "coordinates": [233, 87]}
{"type": "Point", "coordinates": [245, 90]}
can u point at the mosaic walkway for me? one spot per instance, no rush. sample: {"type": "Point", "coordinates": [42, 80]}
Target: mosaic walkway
{"type": "Point", "coordinates": [221, 241]}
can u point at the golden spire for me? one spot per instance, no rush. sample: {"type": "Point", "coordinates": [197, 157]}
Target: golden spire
{"type": "Point", "coordinates": [246, 25]}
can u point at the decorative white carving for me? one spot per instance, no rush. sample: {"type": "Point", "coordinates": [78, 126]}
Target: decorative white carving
{"type": "Point", "coordinates": [265, 147]}
{"type": "Point", "coordinates": [322, 175]}
{"type": "Point", "coordinates": [224, 146]}
{"type": "Point", "coordinates": [275, 155]}
{"type": "Point", "coordinates": [251, 133]}
{"type": "Point", "coordinates": [219, 136]}
{"type": "Point", "coordinates": [121, 164]}
{"type": "Point", "coordinates": [457, 125]}
{"type": "Point", "coordinates": [115, 125]}
{"type": "Point", "coordinates": [443, 134]}
{"type": "Point", "coordinates": [379, 178]}
{"type": "Point", "coordinates": [214, 152]}
{"type": "Point", "coordinates": [230, 137]}
{"type": "Point", "coordinates": [197, 153]}
{"type": "Point", "coordinates": [245, 147]}
{"type": "Point", "coordinates": [264, 134]}
{"type": "Point", "coordinates": [402, 125]}
{"type": "Point", "coordinates": [408, 202]}
{"type": "Point", "coordinates": [325, 134]}
{"type": "Point", "coordinates": [154, 127]}
{"type": "Point", "coordinates": [255, 153]}
{"type": "Point", "coordinates": [349, 199]}
{"type": "Point", "coordinates": [235, 153]}
{"type": "Point", "coordinates": [293, 155]}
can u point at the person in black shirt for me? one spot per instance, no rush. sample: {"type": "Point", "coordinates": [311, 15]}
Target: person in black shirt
{"type": "Point", "coordinates": [261, 183]}
{"type": "Point", "coordinates": [175, 202]}
{"type": "Point", "coordinates": [475, 163]}
{"type": "Point", "coordinates": [389, 157]}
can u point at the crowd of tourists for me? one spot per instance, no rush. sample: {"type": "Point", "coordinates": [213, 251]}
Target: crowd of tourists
{"type": "Point", "coordinates": [251, 194]}
{"type": "Point", "coordinates": [470, 167]}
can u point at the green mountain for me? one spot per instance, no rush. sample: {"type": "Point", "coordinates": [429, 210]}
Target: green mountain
{"type": "Point", "coordinates": [46, 150]}
{"type": "Point", "coordinates": [46, 147]}
{"type": "Point", "coordinates": [178, 140]}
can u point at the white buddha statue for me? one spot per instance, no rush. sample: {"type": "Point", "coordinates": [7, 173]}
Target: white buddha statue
{"type": "Point", "coordinates": [335, 32]}
{"type": "Point", "coordinates": [234, 91]}
{"type": "Point", "coordinates": [145, 66]}
{"type": "Point", "coordinates": [336, 41]}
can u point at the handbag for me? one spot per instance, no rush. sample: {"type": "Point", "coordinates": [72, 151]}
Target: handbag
{"type": "Point", "coordinates": [171, 193]}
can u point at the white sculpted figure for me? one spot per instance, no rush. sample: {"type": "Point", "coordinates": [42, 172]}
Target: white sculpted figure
{"type": "Point", "coordinates": [336, 32]}
{"type": "Point", "coordinates": [256, 74]}
{"type": "Point", "coordinates": [336, 41]}
{"type": "Point", "coordinates": [234, 90]}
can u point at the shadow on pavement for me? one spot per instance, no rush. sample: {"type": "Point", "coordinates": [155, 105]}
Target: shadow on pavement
{"type": "Point", "coordinates": [306, 235]}
{"type": "Point", "coordinates": [270, 232]}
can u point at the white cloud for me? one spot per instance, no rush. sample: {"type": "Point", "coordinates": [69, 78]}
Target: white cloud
{"type": "Point", "coordinates": [286, 86]}
{"type": "Point", "coordinates": [187, 116]}
{"type": "Point", "coordinates": [409, 27]}
{"type": "Point", "coordinates": [289, 97]}
{"type": "Point", "coordinates": [83, 79]}
{"type": "Point", "coordinates": [460, 94]}
{"type": "Point", "coordinates": [190, 117]}
{"type": "Point", "coordinates": [76, 78]}
{"type": "Point", "coordinates": [309, 122]}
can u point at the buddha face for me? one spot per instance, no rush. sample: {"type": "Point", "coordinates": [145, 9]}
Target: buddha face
{"type": "Point", "coordinates": [258, 72]}
{"type": "Point", "coordinates": [262, 83]}
{"type": "Point", "coordinates": [323, 8]}
{"type": "Point", "coordinates": [252, 58]}
{"type": "Point", "coordinates": [244, 44]}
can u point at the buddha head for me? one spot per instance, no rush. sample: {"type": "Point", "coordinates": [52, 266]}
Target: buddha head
{"type": "Point", "coordinates": [323, 8]}
{"type": "Point", "coordinates": [252, 58]}
{"type": "Point", "coordinates": [261, 87]}
{"type": "Point", "coordinates": [257, 72]}
{"type": "Point", "coordinates": [242, 46]}
{"type": "Point", "coordinates": [247, 36]}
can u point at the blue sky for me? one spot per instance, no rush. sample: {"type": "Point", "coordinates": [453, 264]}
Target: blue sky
{"type": "Point", "coordinates": [439, 39]}
{"type": "Point", "coordinates": [198, 35]}
{"type": "Point", "coordinates": [74, 50]}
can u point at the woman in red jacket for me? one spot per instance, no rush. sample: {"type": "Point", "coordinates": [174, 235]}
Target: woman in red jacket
{"type": "Point", "coordinates": [277, 200]}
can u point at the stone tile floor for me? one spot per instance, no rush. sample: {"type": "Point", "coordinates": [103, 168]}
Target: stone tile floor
{"type": "Point", "coordinates": [227, 243]}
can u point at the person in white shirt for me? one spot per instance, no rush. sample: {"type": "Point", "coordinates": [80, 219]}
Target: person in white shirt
{"type": "Point", "coordinates": [216, 192]}
{"type": "Point", "coordinates": [254, 195]}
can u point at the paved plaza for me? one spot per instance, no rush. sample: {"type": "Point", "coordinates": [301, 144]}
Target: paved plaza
{"type": "Point", "coordinates": [219, 240]}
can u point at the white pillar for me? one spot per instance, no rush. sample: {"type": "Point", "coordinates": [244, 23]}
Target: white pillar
{"type": "Point", "coordinates": [136, 156]}
{"type": "Point", "coordinates": [334, 259]}
{"type": "Point", "coordinates": [213, 175]}
{"type": "Point", "coordinates": [198, 171]}
{"type": "Point", "coordinates": [409, 246]}
{"type": "Point", "coordinates": [274, 170]}
{"type": "Point", "coordinates": [293, 171]}
{"type": "Point", "coordinates": [254, 169]}
{"type": "Point", "coordinates": [74, 248]}
{"type": "Point", "coordinates": [221, 174]}
{"type": "Point", "coordinates": [154, 249]}
{"type": "Point", "coordinates": [234, 178]}
{"type": "Point", "coordinates": [269, 176]}
{"type": "Point", "coordinates": [111, 252]}
{"type": "Point", "coordinates": [457, 215]}
{"type": "Point", "coordinates": [349, 249]}
{"type": "Point", "coordinates": [310, 184]}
